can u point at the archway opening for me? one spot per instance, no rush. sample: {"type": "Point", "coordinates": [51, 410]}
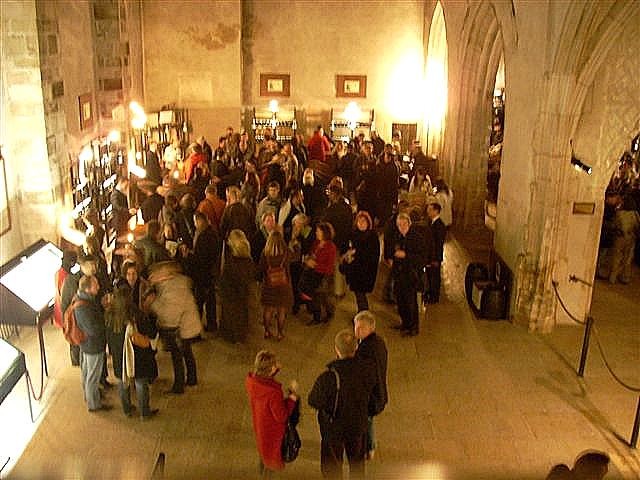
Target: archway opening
{"type": "Point", "coordinates": [619, 246]}
{"type": "Point", "coordinates": [495, 147]}
{"type": "Point", "coordinates": [436, 83]}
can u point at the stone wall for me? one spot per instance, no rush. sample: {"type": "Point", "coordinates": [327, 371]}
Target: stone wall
{"type": "Point", "coordinates": [22, 131]}
{"type": "Point", "coordinates": [315, 41]}
{"type": "Point", "coordinates": [192, 59]}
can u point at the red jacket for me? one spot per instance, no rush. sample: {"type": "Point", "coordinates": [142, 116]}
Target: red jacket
{"type": "Point", "coordinates": [58, 314]}
{"type": "Point", "coordinates": [191, 163]}
{"type": "Point", "coordinates": [318, 147]}
{"type": "Point", "coordinates": [325, 256]}
{"type": "Point", "coordinates": [270, 412]}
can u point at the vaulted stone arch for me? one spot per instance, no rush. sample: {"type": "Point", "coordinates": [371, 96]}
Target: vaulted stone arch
{"type": "Point", "coordinates": [597, 107]}
{"type": "Point", "coordinates": [465, 152]}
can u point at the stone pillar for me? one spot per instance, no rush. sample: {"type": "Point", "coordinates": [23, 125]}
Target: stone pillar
{"type": "Point", "coordinates": [22, 131]}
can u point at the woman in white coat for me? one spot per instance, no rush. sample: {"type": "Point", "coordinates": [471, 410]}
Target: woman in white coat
{"type": "Point", "coordinates": [178, 320]}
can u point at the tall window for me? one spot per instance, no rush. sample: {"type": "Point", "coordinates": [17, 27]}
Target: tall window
{"type": "Point", "coordinates": [436, 83]}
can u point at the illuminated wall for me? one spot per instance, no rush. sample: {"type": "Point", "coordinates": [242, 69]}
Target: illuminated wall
{"type": "Point", "coordinates": [315, 41]}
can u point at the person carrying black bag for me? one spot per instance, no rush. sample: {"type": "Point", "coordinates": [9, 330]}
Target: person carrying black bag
{"type": "Point", "coordinates": [341, 396]}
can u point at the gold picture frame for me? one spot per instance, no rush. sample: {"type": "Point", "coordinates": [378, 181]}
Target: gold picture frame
{"type": "Point", "coordinates": [351, 86]}
{"type": "Point", "coordinates": [275, 85]}
{"type": "Point", "coordinates": [85, 106]}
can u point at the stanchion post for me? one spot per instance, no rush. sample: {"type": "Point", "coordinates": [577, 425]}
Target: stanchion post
{"type": "Point", "coordinates": [585, 346]}
{"type": "Point", "coordinates": [636, 427]}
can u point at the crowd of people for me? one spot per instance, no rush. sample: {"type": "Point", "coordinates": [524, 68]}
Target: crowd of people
{"type": "Point", "coordinates": [292, 225]}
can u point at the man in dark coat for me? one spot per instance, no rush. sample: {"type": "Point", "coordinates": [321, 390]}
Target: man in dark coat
{"type": "Point", "coordinates": [437, 234]}
{"type": "Point", "coordinates": [236, 215]}
{"type": "Point", "coordinates": [387, 175]}
{"type": "Point", "coordinates": [202, 264]}
{"type": "Point", "coordinates": [152, 251]}
{"type": "Point", "coordinates": [152, 205]}
{"type": "Point", "coordinates": [340, 216]}
{"type": "Point", "coordinates": [371, 348]}
{"type": "Point", "coordinates": [154, 173]}
{"type": "Point", "coordinates": [92, 350]}
{"type": "Point", "coordinates": [315, 200]}
{"type": "Point", "coordinates": [341, 396]}
{"type": "Point", "coordinates": [408, 260]}
{"type": "Point", "coordinates": [88, 267]}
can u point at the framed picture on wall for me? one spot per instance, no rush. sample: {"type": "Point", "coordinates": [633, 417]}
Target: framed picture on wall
{"type": "Point", "coordinates": [351, 86]}
{"type": "Point", "coordinates": [5, 213]}
{"type": "Point", "coordinates": [275, 85]}
{"type": "Point", "coordinates": [85, 105]}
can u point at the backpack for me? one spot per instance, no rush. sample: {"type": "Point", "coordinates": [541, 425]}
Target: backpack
{"type": "Point", "coordinates": [70, 329]}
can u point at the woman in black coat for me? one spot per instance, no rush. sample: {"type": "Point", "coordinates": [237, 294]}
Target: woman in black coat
{"type": "Point", "coordinates": [238, 273]}
{"type": "Point", "coordinates": [360, 263]}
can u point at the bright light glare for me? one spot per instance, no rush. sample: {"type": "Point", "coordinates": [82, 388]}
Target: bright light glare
{"type": "Point", "coordinates": [137, 170]}
{"type": "Point", "coordinates": [429, 471]}
{"type": "Point", "coordinates": [436, 92]}
{"type": "Point", "coordinates": [114, 136]}
{"type": "Point", "coordinates": [32, 280]}
{"type": "Point", "coordinates": [273, 106]}
{"type": "Point", "coordinates": [138, 122]}
{"type": "Point", "coordinates": [352, 114]}
{"type": "Point", "coordinates": [405, 90]}
{"type": "Point", "coordinates": [436, 81]}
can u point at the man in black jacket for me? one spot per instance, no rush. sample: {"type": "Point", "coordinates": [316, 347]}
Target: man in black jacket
{"type": "Point", "coordinates": [408, 261]}
{"type": "Point", "coordinates": [437, 234]}
{"type": "Point", "coordinates": [202, 264]}
{"type": "Point", "coordinates": [341, 396]}
{"type": "Point", "coordinates": [371, 348]}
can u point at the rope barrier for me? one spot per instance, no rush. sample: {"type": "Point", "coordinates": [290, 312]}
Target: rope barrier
{"type": "Point", "coordinates": [606, 363]}
{"type": "Point", "coordinates": [564, 307]}
{"type": "Point", "coordinates": [598, 343]}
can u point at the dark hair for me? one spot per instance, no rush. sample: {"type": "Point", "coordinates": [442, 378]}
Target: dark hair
{"type": "Point", "coordinates": [436, 206]}
{"type": "Point", "coordinates": [327, 230]}
{"type": "Point", "coordinates": [589, 463]}
{"type": "Point", "coordinates": [126, 266]}
{"type": "Point", "coordinates": [153, 229]}
{"type": "Point", "coordinates": [273, 184]}
{"type": "Point", "coordinates": [69, 259]}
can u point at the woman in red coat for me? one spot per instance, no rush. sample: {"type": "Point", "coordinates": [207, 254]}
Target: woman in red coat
{"type": "Point", "coordinates": [270, 410]}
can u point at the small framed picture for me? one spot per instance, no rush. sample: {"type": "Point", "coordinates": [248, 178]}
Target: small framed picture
{"type": "Point", "coordinates": [85, 104]}
{"type": "Point", "coordinates": [351, 86]}
{"type": "Point", "coordinates": [275, 85]}
{"type": "Point", "coordinates": [584, 208]}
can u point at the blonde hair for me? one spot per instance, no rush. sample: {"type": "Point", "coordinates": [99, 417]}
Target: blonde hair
{"type": "Point", "coordinates": [233, 193]}
{"type": "Point", "coordinates": [275, 245]}
{"type": "Point", "coordinates": [346, 343]}
{"type": "Point", "coordinates": [264, 363]}
{"type": "Point", "coordinates": [238, 244]}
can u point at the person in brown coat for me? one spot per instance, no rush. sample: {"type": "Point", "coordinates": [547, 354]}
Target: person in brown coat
{"type": "Point", "coordinates": [277, 295]}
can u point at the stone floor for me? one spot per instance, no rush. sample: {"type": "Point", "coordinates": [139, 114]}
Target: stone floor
{"type": "Point", "coordinates": [469, 399]}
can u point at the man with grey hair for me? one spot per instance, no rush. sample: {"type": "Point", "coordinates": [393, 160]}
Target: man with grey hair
{"type": "Point", "coordinates": [341, 395]}
{"type": "Point", "coordinates": [371, 348]}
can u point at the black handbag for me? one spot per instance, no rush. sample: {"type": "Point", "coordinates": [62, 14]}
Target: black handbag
{"type": "Point", "coordinates": [291, 442]}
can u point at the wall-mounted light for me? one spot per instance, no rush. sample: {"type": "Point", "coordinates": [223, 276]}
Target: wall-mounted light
{"type": "Point", "coordinates": [114, 136]}
{"type": "Point", "coordinates": [577, 163]}
{"type": "Point", "coordinates": [352, 114]}
{"type": "Point", "coordinates": [579, 166]}
{"type": "Point", "coordinates": [273, 106]}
